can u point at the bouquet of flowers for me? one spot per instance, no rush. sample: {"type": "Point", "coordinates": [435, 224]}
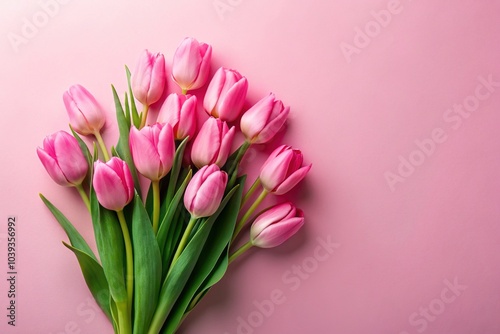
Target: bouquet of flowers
{"type": "Point", "coordinates": [167, 202]}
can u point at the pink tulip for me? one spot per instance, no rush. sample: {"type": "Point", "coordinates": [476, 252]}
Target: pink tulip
{"type": "Point", "coordinates": [113, 184]}
{"type": "Point", "coordinates": [191, 64]}
{"type": "Point", "coordinates": [85, 115]}
{"type": "Point", "coordinates": [180, 112]}
{"type": "Point", "coordinates": [276, 225]}
{"type": "Point", "coordinates": [153, 150]}
{"type": "Point", "coordinates": [213, 143]}
{"type": "Point", "coordinates": [283, 170]}
{"type": "Point", "coordinates": [262, 121]}
{"type": "Point", "coordinates": [63, 159]}
{"type": "Point", "coordinates": [149, 79]}
{"type": "Point", "coordinates": [205, 190]}
{"type": "Point", "coordinates": [226, 94]}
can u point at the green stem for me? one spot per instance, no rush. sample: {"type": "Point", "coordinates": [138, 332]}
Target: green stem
{"type": "Point", "coordinates": [250, 192]}
{"type": "Point", "coordinates": [184, 240]}
{"type": "Point", "coordinates": [249, 213]}
{"type": "Point", "coordinates": [240, 251]}
{"type": "Point", "coordinates": [83, 195]}
{"type": "Point", "coordinates": [184, 91]}
{"type": "Point", "coordinates": [130, 259]}
{"type": "Point", "coordinates": [124, 320]}
{"type": "Point", "coordinates": [144, 116]}
{"type": "Point", "coordinates": [100, 141]}
{"type": "Point", "coordinates": [156, 205]}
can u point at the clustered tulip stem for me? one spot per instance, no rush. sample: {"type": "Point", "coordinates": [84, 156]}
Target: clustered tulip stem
{"type": "Point", "coordinates": [124, 323]}
{"type": "Point", "coordinates": [249, 213]}
{"type": "Point", "coordinates": [129, 261]}
{"type": "Point", "coordinates": [100, 141]}
{"type": "Point", "coordinates": [250, 192]}
{"type": "Point", "coordinates": [83, 195]}
{"type": "Point", "coordinates": [240, 251]}
{"type": "Point", "coordinates": [144, 116]}
{"type": "Point", "coordinates": [184, 241]}
{"type": "Point", "coordinates": [156, 205]}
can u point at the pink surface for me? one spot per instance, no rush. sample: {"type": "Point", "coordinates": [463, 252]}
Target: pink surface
{"type": "Point", "coordinates": [402, 100]}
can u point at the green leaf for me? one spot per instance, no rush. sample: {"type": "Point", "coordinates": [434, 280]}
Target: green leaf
{"type": "Point", "coordinates": [109, 239]}
{"type": "Point", "coordinates": [213, 261]}
{"type": "Point", "coordinates": [74, 236]}
{"type": "Point", "coordinates": [123, 147]}
{"type": "Point", "coordinates": [136, 119]}
{"type": "Point", "coordinates": [94, 277]}
{"type": "Point", "coordinates": [127, 110]}
{"type": "Point", "coordinates": [147, 268]}
{"type": "Point", "coordinates": [183, 267]}
{"type": "Point", "coordinates": [176, 167]}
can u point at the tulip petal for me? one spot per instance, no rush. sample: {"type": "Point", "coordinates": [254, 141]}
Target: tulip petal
{"type": "Point", "coordinates": [229, 107]}
{"type": "Point", "coordinates": [273, 127]}
{"type": "Point", "coordinates": [292, 180]}
{"type": "Point", "coordinates": [274, 235]}
{"type": "Point", "coordinates": [52, 168]}
{"type": "Point", "coordinates": [207, 143]}
{"type": "Point", "coordinates": [274, 171]}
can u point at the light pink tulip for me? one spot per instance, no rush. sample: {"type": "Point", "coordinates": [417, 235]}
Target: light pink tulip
{"type": "Point", "coordinates": [213, 143]}
{"type": "Point", "coordinates": [180, 112]}
{"type": "Point", "coordinates": [63, 159]}
{"type": "Point", "coordinates": [283, 170]}
{"type": "Point", "coordinates": [113, 184]}
{"type": "Point", "coordinates": [276, 225]}
{"type": "Point", "coordinates": [226, 94]}
{"type": "Point", "coordinates": [85, 115]}
{"type": "Point", "coordinates": [153, 150]}
{"type": "Point", "coordinates": [149, 79]}
{"type": "Point", "coordinates": [261, 122]}
{"type": "Point", "coordinates": [191, 64]}
{"type": "Point", "coordinates": [205, 191]}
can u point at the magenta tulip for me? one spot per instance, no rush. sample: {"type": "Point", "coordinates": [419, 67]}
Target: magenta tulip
{"type": "Point", "coordinates": [205, 191]}
{"type": "Point", "coordinates": [149, 79]}
{"type": "Point", "coordinates": [276, 225]}
{"type": "Point", "coordinates": [85, 115]}
{"type": "Point", "coordinates": [63, 159]}
{"type": "Point", "coordinates": [283, 170]}
{"type": "Point", "coordinates": [261, 122]}
{"type": "Point", "coordinates": [226, 94]}
{"type": "Point", "coordinates": [180, 112]}
{"type": "Point", "coordinates": [153, 150]}
{"type": "Point", "coordinates": [113, 184]}
{"type": "Point", "coordinates": [191, 64]}
{"type": "Point", "coordinates": [213, 143]}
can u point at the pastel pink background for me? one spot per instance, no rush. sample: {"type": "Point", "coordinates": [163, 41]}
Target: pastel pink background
{"type": "Point", "coordinates": [395, 249]}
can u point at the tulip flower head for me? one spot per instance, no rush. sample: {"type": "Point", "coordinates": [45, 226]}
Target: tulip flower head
{"type": "Point", "coordinates": [85, 114]}
{"type": "Point", "coordinates": [180, 112]}
{"type": "Point", "coordinates": [149, 78]}
{"type": "Point", "coordinates": [276, 225]}
{"type": "Point", "coordinates": [213, 143]}
{"type": "Point", "coordinates": [191, 64]}
{"type": "Point", "coordinates": [153, 150]}
{"type": "Point", "coordinates": [63, 159]}
{"type": "Point", "coordinates": [261, 122]}
{"type": "Point", "coordinates": [113, 183]}
{"type": "Point", "coordinates": [283, 170]}
{"type": "Point", "coordinates": [226, 94]}
{"type": "Point", "coordinates": [205, 191]}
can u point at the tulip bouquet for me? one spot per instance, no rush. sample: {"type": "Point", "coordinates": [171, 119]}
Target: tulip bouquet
{"type": "Point", "coordinates": [168, 203]}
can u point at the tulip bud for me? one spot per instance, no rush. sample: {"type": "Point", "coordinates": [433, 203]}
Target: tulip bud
{"type": "Point", "coordinates": [213, 143]}
{"type": "Point", "coordinates": [153, 150]}
{"type": "Point", "coordinates": [191, 64]}
{"type": "Point", "coordinates": [63, 159]}
{"type": "Point", "coordinates": [261, 122]}
{"type": "Point", "coordinates": [180, 112]}
{"type": "Point", "coordinates": [113, 184]}
{"type": "Point", "coordinates": [283, 170]}
{"type": "Point", "coordinates": [276, 225]}
{"type": "Point", "coordinates": [226, 94]}
{"type": "Point", "coordinates": [149, 79]}
{"type": "Point", "coordinates": [85, 115]}
{"type": "Point", "coordinates": [205, 190]}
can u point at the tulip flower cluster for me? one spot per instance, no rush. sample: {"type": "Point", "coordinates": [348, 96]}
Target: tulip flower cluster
{"type": "Point", "coordinates": [168, 202]}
